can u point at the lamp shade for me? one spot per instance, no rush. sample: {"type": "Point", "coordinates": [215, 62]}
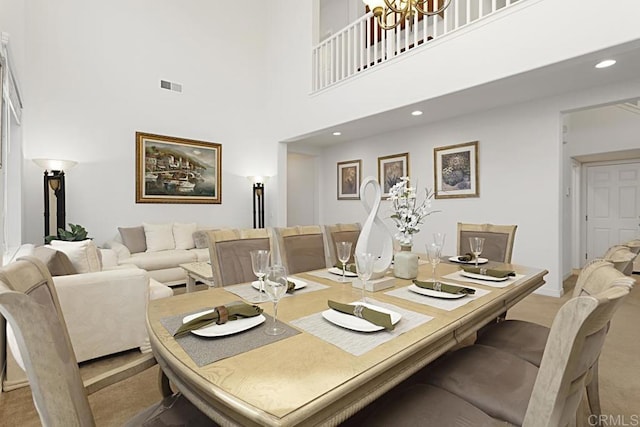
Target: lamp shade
{"type": "Point", "coordinates": [258, 179]}
{"type": "Point", "coordinates": [55, 164]}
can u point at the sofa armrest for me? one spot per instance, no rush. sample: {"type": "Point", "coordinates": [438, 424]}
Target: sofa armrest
{"type": "Point", "coordinates": [104, 311]}
{"type": "Point", "coordinates": [121, 250]}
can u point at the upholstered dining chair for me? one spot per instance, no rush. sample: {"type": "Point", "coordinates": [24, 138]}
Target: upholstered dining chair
{"type": "Point", "coordinates": [527, 340]}
{"type": "Point", "coordinates": [622, 257]}
{"type": "Point", "coordinates": [480, 385]}
{"type": "Point", "coordinates": [498, 240]}
{"type": "Point", "coordinates": [301, 247]}
{"type": "Point", "coordinates": [335, 233]}
{"type": "Point", "coordinates": [229, 253]}
{"type": "Point", "coordinates": [29, 303]}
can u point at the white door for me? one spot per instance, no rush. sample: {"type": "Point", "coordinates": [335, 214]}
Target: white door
{"type": "Point", "coordinates": [613, 206]}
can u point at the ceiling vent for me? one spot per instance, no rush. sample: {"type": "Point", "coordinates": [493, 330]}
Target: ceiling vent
{"type": "Point", "coordinates": [176, 87]}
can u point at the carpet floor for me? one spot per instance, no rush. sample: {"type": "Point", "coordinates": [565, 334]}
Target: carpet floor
{"type": "Point", "coordinates": [619, 371]}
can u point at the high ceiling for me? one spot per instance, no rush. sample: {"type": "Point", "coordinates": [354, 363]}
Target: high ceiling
{"type": "Point", "coordinates": [575, 74]}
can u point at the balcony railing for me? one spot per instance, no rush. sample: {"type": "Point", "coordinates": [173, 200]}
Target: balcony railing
{"type": "Point", "coordinates": [363, 44]}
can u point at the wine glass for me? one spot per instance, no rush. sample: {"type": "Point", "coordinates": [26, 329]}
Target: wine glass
{"type": "Point", "coordinates": [275, 286]}
{"type": "Point", "coordinates": [364, 268]}
{"type": "Point", "coordinates": [433, 254]}
{"type": "Point", "coordinates": [438, 239]}
{"type": "Point", "coordinates": [476, 244]}
{"type": "Point", "coordinates": [344, 253]}
{"type": "Point", "coordinates": [259, 264]}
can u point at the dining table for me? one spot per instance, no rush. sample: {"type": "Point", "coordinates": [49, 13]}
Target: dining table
{"type": "Point", "coordinates": [320, 372]}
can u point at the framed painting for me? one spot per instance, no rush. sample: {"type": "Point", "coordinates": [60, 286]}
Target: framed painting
{"type": "Point", "coordinates": [456, 171]}
{"type": "Point", "coordinates": [177, 170]}
{"type": "Point", "coordinates": [349, 177]}
{"type": "Point", "coordinates": [390, 170]}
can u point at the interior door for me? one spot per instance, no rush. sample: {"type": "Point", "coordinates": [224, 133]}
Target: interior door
{"type": "Point", "coordinates": [613, 206]}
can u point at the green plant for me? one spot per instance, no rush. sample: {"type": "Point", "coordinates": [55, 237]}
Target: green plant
{"type": "Point", "coordinates": [76, 233]}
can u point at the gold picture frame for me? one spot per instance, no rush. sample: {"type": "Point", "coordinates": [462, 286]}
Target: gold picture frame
{"type": "Point", "coordinates": [177, 170]}
{"type": "Point", "coordinates": [349, 179]}
{"type": "Point", "coordinates": [390, 170]}
{"type": "Point", "coordinates": [455, 169]}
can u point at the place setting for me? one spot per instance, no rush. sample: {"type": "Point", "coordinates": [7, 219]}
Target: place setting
{"type": "Point", "coordinates": [434, 292]}
{"type": "Point", "coordinates": [360, 326]}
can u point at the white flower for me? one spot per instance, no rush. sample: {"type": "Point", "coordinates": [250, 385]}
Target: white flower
{"type": "Point", "coordinates": [406, 215]}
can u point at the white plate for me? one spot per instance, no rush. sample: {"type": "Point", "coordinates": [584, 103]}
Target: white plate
{"type": "Point", "coordinates": [338, 271]}
{"type": "Point", "coordinates": [480, 260]}
{"type": "Point", "coordinates": [483, 277]}
{"type": "Point", "coordinates": [229, 328]}
{"type": "Point", "coordinates": [357, 324]}
{"type": "Point", "coordinates": [299, 283]}
{"type": "Point", "coordinates": [436, 294]}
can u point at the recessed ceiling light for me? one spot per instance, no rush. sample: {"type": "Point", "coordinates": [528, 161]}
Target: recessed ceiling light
{"type": "Point", "coordinates": [606, 63]}
{"type": "Point", "coordinates": [337, 133]}
{"type": "Point", "coordinates": [416, 113]}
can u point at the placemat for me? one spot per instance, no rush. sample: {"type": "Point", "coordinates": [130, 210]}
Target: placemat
{"type": "Point", "coordinates": [248, 292]}
{"type": "Point", "coordinates": [208, 350]}
{"type": "Point", "coordinates": [441, 303]}
{"type": "Point", "coordinates": [457, 276]}
{"type": "Point", "coordinates": [354, 342]}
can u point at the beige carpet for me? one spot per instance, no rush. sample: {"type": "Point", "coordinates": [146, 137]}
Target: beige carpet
{"type": "Point", "coordinates": [619, 371]}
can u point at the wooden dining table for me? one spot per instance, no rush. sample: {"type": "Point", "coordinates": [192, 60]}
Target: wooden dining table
{"type": "Point", "coordinates": [305, 379]}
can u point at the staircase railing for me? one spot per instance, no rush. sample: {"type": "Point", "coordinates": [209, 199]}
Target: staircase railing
{"type": "Point", "coordinates": [363, 45]}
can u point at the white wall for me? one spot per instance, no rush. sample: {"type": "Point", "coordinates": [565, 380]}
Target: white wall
{"type": "Point", "coordinates": [93, 81]}
{"type": "Point", "coordinates": [302, 197]}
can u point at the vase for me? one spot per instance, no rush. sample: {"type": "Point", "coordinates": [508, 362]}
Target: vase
{"type": "Point", "coordinates": [405, 263]}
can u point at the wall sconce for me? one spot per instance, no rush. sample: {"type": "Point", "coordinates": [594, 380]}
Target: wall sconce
{"type": "Point", "coordinates": [258, 200]}
{"type": "Point", "coordinates": [54, 192]}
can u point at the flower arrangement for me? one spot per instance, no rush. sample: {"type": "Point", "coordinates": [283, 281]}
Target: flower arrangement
{"type": "Point", "coordinates": [407, 213]}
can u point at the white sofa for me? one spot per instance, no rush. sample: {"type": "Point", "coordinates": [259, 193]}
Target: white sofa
{"type": "Point", "coordinates": [104, 311]}
{"type": "Point", "coordinates": [161, 256]}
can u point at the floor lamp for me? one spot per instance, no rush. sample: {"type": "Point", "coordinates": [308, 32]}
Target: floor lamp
{"type": "Point", "coordinates": [258, 200]}
{"type": "Point", "coordinates": [54, 193]}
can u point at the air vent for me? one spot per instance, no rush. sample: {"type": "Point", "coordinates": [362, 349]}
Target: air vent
{"type": "Point", "coordinates": [176, 87]}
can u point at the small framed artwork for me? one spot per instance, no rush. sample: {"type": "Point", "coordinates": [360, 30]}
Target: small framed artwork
{"type": "Point", "coordinates": [456, 171]}
{"type": "Point", "coordinates": [349, 177]}
{"type": "Point", "coordinates": [177, 170]}
{"type": "Point", "coordinates": [390, 170]}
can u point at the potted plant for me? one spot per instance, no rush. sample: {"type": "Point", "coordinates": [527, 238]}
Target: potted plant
{"type": "Point", "coordinates": [76, 234]}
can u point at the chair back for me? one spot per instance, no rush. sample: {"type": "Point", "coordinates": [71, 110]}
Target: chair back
{"type": "Point", "coordinates": [229, 252]}
{"type": "Point", "coordinates": [498, 240]}
{"type": "Point", "coordinates": [633, 245]}
{"type": "Point", "coordinates": [573, 347]}
{"type": "Point", "coordinates": [622, 258]}
{"type": "Point", "coordinates": [29, 302]}
{"type": "Point", "coordinates": [597, 276]}
{"type": "Point", "coordinates": [341, 233]}
{"type": "Point", "coordinates": [301, 248]}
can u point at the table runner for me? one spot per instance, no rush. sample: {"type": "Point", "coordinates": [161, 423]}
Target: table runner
{"type": "Point", "coordinates": [247, 292]}
{"type": "Point", "coordinates": [441, 303]}
{"type": "Point", "coordinates": [208, 350]}
{"type": "Point", "coordinates": [354, 342]}
{"type": "Point", "coordinates": [457, 276]}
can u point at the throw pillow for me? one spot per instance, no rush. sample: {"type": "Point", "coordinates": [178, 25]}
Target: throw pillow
{"type": "Point", "coordinates": [159, 237]}
{"type": "Point", "coordinates": [183, 235]}
{"type": "Point", "coordinates": [133, 238]}
{"type": "Point", "coordinates": [83, 254]}
{"type": "Point", "coordinates": [57, 262]}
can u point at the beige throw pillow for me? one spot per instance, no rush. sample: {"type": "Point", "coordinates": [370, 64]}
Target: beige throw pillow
{"type": "Point", "coordinates": [133, 238]}
{"type": "Point", "coordinates": [183, 235]}
{"type": "Point", "coordinates": [84, 255]}
{"type": "Point", "coordinates": [159, 237]}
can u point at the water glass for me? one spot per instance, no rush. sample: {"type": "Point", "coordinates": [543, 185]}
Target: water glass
{"type": "Point", "coordinates": [364, 268]}
{"type": "Point", "coordinates": [344, 254]}
{"type": "Point", "coordinates": [259, 264]}
{"type": "Point", "coordinates": [476, 244]}
{"type": "Point", "coordinates": [275, 287]}
{"type": "Point", "coordinates": [434, 251]}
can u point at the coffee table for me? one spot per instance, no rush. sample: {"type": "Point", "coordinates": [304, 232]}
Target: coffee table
{"type": "Point", "coordinates": [198, 271]}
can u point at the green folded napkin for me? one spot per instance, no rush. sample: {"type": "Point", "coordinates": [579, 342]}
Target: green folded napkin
{"type": "Point", "coordinates": [466, 257]}
{"type": "Point", "coordinates": [493, 272]}
{"type": "Point", "coordinates": [235, 310]}
{"type": "Point", "coordinates": [376, 317]}
{"type": "Point", "coordinates": [348, 267]}
{"type": "Point", "coordinates": [444, 287]}
{"type": "Point", "coordinates": [290, 287]}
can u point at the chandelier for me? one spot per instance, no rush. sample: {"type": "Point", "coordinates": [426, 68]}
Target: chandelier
{"type": "Point", "coordinates": [391, 13]}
